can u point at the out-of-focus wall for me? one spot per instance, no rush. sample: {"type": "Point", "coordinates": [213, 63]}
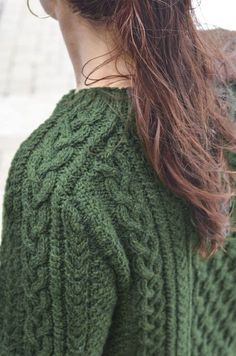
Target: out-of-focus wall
{"type": "Point", "coordinates": [213, 13]}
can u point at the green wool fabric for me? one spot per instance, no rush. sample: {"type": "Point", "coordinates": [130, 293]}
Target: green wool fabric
{"type": "Point", "coordinates": [97, 254]}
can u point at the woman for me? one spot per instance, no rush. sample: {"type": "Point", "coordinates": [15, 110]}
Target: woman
{"type": "Point", "coordinates": [116, 232]}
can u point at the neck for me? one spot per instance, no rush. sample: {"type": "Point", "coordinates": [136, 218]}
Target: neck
{"type": "Point", "coordinates": [86, 43]}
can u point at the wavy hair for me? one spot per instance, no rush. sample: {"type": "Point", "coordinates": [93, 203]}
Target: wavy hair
{"type": "Point", "coordinates": [183, 123]}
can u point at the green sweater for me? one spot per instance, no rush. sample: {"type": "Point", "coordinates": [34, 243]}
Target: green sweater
{"type": "Point", "coordinates": [96, 254]}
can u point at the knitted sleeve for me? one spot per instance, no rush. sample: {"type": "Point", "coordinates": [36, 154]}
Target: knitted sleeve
{"type": "Point", "coordinates": [57, 291]}
{"type": "Point", "coordinates": [82, 287]}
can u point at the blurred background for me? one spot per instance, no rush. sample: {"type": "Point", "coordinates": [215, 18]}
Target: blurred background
{"type": "Point", "coordinates": [35, 69]}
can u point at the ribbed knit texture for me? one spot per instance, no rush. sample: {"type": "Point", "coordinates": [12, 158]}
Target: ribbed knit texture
{"type": "Point", "coordinates": [96, 254]}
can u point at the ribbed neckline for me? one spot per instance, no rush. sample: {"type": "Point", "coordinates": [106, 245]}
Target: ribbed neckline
{"type": "Point", "coordinates": [113, 99]}
{"type": "Point", "coordinates": [101, 95]}
{"type": "Point", "coordinates": [95, 91]}
{"type": "Point", "coordinates": [104, 87]}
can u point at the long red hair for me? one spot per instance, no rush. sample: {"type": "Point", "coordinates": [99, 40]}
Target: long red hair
{"type": "Point", "coordinates": [183, 123]}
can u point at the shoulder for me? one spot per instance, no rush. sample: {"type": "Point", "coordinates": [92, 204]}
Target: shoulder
{"type": "Point", "coordinates": [65, 149]}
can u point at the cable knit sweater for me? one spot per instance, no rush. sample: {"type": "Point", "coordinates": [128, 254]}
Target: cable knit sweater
{"type": "Point", "coordinates": [96, 254]}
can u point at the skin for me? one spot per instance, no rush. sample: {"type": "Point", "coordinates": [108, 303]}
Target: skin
{"type": "Point", "coordinates": [85, 40]}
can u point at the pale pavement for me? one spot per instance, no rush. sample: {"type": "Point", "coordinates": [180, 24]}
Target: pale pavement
{"type": "Point", "coordinates": [35, 71]}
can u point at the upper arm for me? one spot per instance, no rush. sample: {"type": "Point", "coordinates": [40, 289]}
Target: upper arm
{"type": "Point", "coordinates": [84, 293]}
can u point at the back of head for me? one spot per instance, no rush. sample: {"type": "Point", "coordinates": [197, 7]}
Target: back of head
{"type": "Point", "coordinates": [182, 122]}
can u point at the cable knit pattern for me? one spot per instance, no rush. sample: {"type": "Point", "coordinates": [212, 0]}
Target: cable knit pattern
{"type": "Point", "coordinates": [96, 253]}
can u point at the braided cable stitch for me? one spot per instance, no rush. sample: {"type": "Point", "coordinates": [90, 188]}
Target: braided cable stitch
{"type": "Point", "coordinates": [96, 253]}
